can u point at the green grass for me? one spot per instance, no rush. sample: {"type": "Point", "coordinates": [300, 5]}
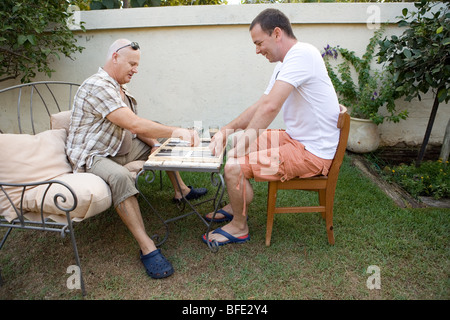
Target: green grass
{"type": "Point", "coordinates": [410, 246]}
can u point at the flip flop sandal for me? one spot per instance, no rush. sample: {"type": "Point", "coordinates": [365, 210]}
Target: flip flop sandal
{"type": "Point", "coordinates": [231, 239]}
{"type": "Point", "coordinates": [156, 265]}
{"type": "Point", "coordinates": [227, 216]}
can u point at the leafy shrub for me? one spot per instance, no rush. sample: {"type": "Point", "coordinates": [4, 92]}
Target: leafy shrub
{"type": "Point", "coordinates": [373, 88]}
{"type": "Point", "coordinates": [32, 34]}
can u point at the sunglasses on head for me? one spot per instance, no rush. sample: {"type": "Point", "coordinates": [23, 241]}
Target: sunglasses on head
{"type": "Point", "coordinates": [133, 45]}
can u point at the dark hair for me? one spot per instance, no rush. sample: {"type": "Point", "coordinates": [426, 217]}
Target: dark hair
{"type": "Point", "coordinates": [269, 19]}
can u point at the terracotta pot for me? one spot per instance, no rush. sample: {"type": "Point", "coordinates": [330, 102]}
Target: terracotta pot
{"type": "Point", "coordinates": [363, 137]}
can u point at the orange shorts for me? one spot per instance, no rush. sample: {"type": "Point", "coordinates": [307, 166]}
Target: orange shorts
{"type": "Point", "coordinates": [276, 156]}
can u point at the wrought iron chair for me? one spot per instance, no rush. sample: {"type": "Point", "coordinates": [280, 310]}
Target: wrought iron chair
{"type": "Point", "coordinates": [31, 99]}
{"type": "Point", "coordinates": [324, 185]}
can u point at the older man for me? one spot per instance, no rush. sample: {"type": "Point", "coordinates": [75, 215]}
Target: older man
{"type": "Point", "coordinates": [106, 133]}
{"type": "Point", "coordinates": [299, 86]}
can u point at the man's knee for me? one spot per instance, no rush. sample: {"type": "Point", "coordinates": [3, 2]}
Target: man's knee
{"type": "Point", "coordinates": [120, 180]}
{"type": "Point", "coordinates": [121, 176]}
{"type": "Point", "coordinates": [232, 169]}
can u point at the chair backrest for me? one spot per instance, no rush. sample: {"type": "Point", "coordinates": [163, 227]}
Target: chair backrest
{"type": "Point", "coordinates": [26, 108]}
{"type": "Point", "coordinates": [344, 125]}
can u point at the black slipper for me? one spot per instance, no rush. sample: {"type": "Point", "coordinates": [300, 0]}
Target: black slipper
{"type": "Point", "coordinates": [193, 194]}
{"type": "Point", "coordinates": [156, 265]}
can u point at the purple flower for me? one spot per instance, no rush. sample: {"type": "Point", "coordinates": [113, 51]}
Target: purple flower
{"type": "Point", "coordinates": [330, 51]}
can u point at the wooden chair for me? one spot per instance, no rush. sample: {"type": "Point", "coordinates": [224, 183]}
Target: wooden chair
{"type": "Point", "coordinates": [324, 185]}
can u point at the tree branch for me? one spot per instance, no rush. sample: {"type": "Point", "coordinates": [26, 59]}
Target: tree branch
{"type": "Point", "coordinates": [14, 53]}
{"type": "Point", "coordinates": [8, 78]}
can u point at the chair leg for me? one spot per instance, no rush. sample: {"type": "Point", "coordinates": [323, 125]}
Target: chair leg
{"type": "Point", "coordinates": [329, 202]}
{"type": "Point", "coordinates": [1, 246]}
{"type": "Point", "coordinates": [271, 202]}
{"type": "Point", "coordinates": [323, 201]}
{"type": "Point", "coordinates": [329, 224]}
{"type": "Point", "coordinates": [77, 257]}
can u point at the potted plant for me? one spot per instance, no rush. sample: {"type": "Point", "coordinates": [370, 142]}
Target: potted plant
{"type": "Point", "coordinates": [373, 90]}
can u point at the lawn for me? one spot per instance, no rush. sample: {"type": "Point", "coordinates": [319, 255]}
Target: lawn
{"type": "Point", "coordinates": [409, 246]}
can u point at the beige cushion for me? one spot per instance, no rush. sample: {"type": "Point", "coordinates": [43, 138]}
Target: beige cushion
{"type": "Point", "coordinates": [41, 157]}
{"type": "Point", "coordinates": [28, 158]}
{"type": "Point", "coordinates": [92, 192]}
{"type": "Point", "coordinates": [60, 120]}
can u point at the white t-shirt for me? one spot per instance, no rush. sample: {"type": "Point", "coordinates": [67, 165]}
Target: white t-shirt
{"type": "Point", "coordinates": [312, 109]}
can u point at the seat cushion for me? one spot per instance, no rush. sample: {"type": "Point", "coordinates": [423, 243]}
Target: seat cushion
{"type": "Point", "coordinates": [92, 192]}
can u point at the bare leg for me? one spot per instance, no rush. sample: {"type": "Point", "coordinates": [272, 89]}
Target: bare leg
{"type": "Point", "coordinates": [233, 177]}
{"type": "Point", "coordinates": [173, 175]}
{"type": "Point", "coordinates": [176, 175]}
{"type": "Point", "coordinates": [130, 214]}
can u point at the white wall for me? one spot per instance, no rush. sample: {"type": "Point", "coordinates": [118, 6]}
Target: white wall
{"type": "Point", "coordinates": [198, 63]}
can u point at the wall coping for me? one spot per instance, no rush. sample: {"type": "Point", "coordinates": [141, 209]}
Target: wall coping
{"type": "Point", "coordinates": [216, 15]}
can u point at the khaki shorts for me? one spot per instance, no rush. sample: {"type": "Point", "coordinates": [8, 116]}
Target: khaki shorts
{"type": "Point", "coordinates": [111, 169]}
{"type": "Point", "coordinates": [276, 156]}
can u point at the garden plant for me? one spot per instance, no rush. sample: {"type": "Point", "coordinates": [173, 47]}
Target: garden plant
{"type": "Point", "coordinates": [420, 57]}
{"type": "Point", "coordinates": [373, 89]}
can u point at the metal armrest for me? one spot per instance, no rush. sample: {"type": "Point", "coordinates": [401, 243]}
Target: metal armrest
{"type": "Point", "coordinates": [58, 199]}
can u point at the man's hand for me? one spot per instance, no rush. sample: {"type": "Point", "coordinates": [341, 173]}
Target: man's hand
{"type": "Point", "coordinates": [187, 135]}
{"type": "Point", "coordinates": [241, 141]}
{"type": "Point", "coordinates": [218, 142]}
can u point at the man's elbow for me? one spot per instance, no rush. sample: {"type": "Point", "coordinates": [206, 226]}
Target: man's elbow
{"type": "Point", "coordinates": [135, 127]}
{"type": "Point", "coordinates": [270, 108]}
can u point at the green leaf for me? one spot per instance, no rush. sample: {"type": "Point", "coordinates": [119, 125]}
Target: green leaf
{"type": "Point", "coordinates": [405, 12]}
{"type": "Point", "coordinates": [440, 29]}
{"type": "Point", "coordinates": [403, 23]}
{"type": "Point", "coordinates": [442, 94]}
{"type": "Point", "coordinates": [5, 28]}
{"type": "Point", "coordinates": [45, 51]}
{"type": "Point", "coordinates": [21, 39]}
{"type": "Point", "coordinates": [96, 5]}
{"type": "Point", "coordinates": [108, 4]}
{"type": "Point", "coordinates": [32, 39]}
{"type": "Point", "coordinates": [407, 53]}
{"type": "Point", "coordinates": [138, 3]}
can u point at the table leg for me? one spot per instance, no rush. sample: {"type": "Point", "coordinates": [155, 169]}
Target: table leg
{"type": "Point", "coordinates": [216, 180]}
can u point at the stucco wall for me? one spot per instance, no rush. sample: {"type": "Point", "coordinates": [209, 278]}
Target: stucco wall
{"type": "Point", "coordinates": [199, 65]}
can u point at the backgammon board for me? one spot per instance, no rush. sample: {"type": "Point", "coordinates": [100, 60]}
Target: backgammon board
{"type": "Point", "coordinates": [178, 155]}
